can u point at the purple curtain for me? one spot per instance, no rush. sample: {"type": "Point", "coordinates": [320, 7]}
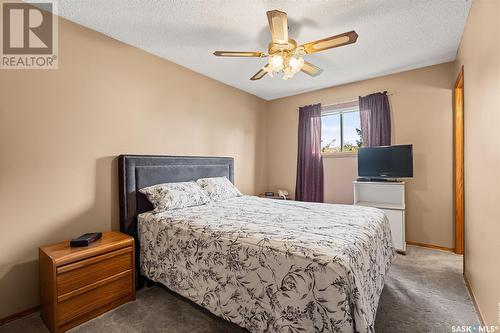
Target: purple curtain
{"type": "Point", "coordinates": [375, 114]}
{"type": "Point", "coordinates": [309, 184]}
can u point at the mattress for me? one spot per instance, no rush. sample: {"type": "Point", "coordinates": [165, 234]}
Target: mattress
{"type": "Point", "coordinates": [272, 265]}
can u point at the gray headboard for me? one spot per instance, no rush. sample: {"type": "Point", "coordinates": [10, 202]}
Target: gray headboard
{"type": "Point", "coordinates": [138, 171]}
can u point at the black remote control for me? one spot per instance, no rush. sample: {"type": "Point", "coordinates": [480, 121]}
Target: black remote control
{"type": "Point", "coordinates": [85, 239]}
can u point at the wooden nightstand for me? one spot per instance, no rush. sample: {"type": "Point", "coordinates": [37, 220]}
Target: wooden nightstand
{"type": "Point", "coordinates": [78, 284]}
{"type": "Point", "coordinates": [275, 197]}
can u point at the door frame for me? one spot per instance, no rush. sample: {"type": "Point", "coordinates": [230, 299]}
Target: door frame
{"type": "Point", "coordinates": [458, 161]}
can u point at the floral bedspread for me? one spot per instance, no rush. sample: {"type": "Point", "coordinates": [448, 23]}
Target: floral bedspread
{"type": "Point", "coordinates": [271, 265]}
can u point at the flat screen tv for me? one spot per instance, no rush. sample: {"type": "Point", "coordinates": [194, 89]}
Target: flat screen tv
{"type": "Point", "coordinates": [385, 162]}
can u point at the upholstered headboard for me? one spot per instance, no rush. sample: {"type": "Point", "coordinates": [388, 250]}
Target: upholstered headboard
{"type": "Point", "coordinates": [138, 171]}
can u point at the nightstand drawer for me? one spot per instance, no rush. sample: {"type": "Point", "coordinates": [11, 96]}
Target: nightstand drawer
{"type": "Point", "coordinates": [72, 308]}
{"type": "Point", "coordinates": [85, 272]}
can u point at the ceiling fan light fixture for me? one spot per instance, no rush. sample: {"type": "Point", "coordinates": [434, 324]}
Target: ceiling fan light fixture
{"type": "Point", "coordinates": [293, 65]}
{"type": "Point", "coordinates": [286, 63]}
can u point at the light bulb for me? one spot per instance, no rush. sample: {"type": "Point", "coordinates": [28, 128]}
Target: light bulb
{"type": "Point", "coordinates": [296, 64]}
{"type": "Point", "coordinates": [277, 61]}
{"type": "Point", "coordinates": [288, 73]}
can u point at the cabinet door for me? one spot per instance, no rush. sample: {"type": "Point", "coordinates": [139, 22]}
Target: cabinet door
{"type": "Point", "coordinates": [397, 230]}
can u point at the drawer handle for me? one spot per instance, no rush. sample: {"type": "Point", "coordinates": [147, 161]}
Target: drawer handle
{"type": "Point", "coordinates": [91, 261]}
{"type": "Point", "coordinates": [91, 286]}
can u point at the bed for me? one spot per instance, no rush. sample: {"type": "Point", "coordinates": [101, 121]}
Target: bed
{"type": "Point", "coordinates": [266, 265]}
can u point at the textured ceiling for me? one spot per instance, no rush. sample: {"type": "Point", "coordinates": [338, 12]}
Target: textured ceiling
{"type": "Point", "coordinates": [394, 35]}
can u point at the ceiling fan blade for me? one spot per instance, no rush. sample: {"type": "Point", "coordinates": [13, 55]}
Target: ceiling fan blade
{"type": "Point", "coordinates": [331, 42]}
{"type": "Point", "coordinates": [310, 69]}
{"type": "Point", "coordinates": [260, 74]}
{"type": "Point", "coordinates": [238, 54]}
{"type": "Point", "coordinates": [278, 24]}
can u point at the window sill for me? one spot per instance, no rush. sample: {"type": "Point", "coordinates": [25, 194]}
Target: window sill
{"type": "Point", "coordinates": [340, 155]}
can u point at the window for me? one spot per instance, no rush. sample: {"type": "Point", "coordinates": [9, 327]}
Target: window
{"type": "Point", "coordinates": [340, 128]}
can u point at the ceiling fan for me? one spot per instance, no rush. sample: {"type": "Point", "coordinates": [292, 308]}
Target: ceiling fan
{"type": "Point", "coordinates": [284, 55]}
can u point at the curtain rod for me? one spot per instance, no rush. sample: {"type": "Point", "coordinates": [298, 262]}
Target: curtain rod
{"type": "Point", "coordinates": [354, 99]}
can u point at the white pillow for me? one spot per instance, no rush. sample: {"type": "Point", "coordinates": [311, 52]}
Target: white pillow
{"type": "Point", "coordinates": [218, 188]}
{"type": "Point", "coordinates": [175, 195]}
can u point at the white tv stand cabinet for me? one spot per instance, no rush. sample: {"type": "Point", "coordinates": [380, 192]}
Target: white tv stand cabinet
{"type": "Point", "coordinates": [389, 197]}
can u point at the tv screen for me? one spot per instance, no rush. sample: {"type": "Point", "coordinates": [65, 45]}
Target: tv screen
{"type": "Point", "coordinates": [386, 162]}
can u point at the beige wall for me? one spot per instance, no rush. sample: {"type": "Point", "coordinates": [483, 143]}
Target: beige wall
{"type": "Point", "coordinates": [479, 53]}
{"type": "Point", "coordinates": [61, 130]}
{"type": "Point", "coordinates": [421, 115]}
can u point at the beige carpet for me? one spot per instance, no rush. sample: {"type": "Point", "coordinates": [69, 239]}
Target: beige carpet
{"type": "Point", "coordinates": [424, 292]}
